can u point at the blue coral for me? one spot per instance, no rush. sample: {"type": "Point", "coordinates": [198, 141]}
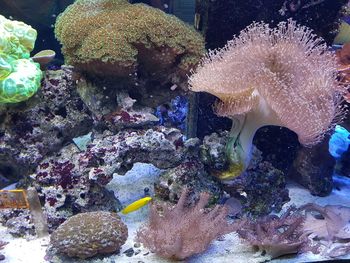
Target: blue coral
{"type": "Point", "coordinates": [339, 142]}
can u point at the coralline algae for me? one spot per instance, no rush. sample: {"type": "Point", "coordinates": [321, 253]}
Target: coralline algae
{"type": "Point", "coordinates": [42, 125]}
{"type": "Point", "coordinates": [73, 181]}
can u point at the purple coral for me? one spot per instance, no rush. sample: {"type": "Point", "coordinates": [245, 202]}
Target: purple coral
{"type": "Point", "coordinates": [312, 228]}
{"type": "Point", "coordinates": [180, 232]}
{"type": "Point", "coordinates": [273, 235]}
{"type": "Point", "coordinates": [329, 225]}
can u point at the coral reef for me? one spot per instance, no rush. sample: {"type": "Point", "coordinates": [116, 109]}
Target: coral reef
{"type": "Point", "coordinates": [261, 188]}
{"type": "Point", "coordinates": [74, 181]}
{"type": "Point", "coordinates": [311, 227]}
{"type": "Point", "coordinates": [180, 232]}
{"type": "Point", "coordinates": [274, 236]}
{"type": "Point", "coordinates": [328, 225]}
{"type": "Point", "coordinates": [88, 234]}
{"type": "Point", "coordinates": [313, 168]}
{"type": "Point", "coordinates": [66, 189]}
{"type": "Point", "coordinates": [34, 129]}
{"type": "Point", "coordinates": [18, 222]}
{"type": "Point", "coordinates": [128, 116]}
{"type": "Point", "coordinates": [114, 108]}
{"type": "Point", "coordinates": [173, 114]}
{"type": "Point", "coordinates": [212, 151]}
{"type": "Point", "coordinates": [119, 108]}
{"type": "Point", "coordinates": [145, 40]}
{"type": "Point", "coordinates": [190, 173]}
{"type": "Point", "coordinates": [19, 76]}
{"type": "Point", "coordinates": [284, 56]}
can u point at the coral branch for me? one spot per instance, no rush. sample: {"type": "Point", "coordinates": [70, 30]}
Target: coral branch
{"type": "Point", "coordinates": [180, 232]}
{"type": "Point", "coordinates": [329, 225]}
{"type": "Point", "coordinates": [275, 236]}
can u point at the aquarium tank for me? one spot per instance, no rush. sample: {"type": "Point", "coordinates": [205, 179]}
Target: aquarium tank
{"type": "Point", "coordinates": [154, 131]}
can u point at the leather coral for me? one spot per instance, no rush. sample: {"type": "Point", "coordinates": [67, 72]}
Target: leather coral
{"type": "Point", "coordinates": [283, 76]}
{"type": "Point", "coordinates": [179, 232]}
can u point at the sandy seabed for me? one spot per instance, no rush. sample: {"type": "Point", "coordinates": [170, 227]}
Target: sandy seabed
{"type": "Point", "coordinates": [228, 249]}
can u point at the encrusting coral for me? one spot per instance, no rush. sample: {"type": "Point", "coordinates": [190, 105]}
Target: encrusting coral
{"type": "Point", "coordinates": [116, 38]}
{"type": "Point", "coordinates": [180, 232]}
{"type": "Point", "coordinates": [48, 121]}
{"type": "Point", "coordinates": [282, 76]}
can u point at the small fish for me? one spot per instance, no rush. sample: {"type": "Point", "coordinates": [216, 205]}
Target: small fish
{"type": "Point", "coordinates": [136, 205]}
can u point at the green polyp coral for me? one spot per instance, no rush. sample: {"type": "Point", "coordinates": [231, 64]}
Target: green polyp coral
{"type": "Point", "coordinates": [114, 37]}
{"type": "Point", "coordinates": [19, 76]}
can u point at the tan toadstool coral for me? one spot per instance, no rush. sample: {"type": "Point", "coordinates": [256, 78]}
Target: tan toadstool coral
{"type": "Point", "coordinates": [280, 76]}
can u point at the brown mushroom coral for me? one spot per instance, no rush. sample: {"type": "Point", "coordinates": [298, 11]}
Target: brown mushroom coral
{"type": "Point", "coordinates": [280, 76]}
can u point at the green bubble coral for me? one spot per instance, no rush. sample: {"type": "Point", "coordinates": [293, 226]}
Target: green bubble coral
{"type": "Point", "coordinates": [19, 75]}
{"type": "Point", "coordinates": [116, 38]}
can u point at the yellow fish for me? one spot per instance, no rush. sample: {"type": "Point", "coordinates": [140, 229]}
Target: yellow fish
{"type": "Point", "coordinates": [136, 205]}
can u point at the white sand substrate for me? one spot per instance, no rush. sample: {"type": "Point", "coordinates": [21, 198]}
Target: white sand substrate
{"type": "Point", "coordinates": [229, 249]}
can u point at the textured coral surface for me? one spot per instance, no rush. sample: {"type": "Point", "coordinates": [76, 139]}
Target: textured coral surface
{"type": "Point", "coordinates": [280, 76]}
{"type": "Point", "coordinates": [113, 37]}
{"type": "Point", "coordinates": [87, 234]}
{"type": "Point", "coordinates": [179, 232]}
{"type": "Point", "coordinates": [42, 125]}
{"type": "Point", "coordinates": [19, 76]}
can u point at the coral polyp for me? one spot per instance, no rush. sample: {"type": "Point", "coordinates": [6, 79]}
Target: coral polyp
{"type": "Point", "coordinates": [116, 38]}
